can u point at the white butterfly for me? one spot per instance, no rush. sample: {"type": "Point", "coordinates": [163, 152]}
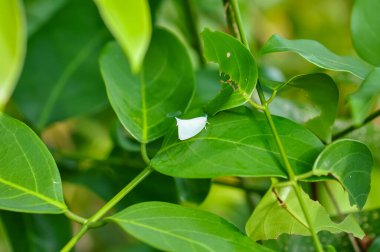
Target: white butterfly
{"type": "Point", "coordinates": [188, 128]}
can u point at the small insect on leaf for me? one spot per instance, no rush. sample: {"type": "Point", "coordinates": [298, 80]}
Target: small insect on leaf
{"type": "Point", "coordinates": [188, 128]}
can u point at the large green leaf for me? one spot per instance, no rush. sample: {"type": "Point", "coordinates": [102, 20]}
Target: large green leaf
{"type": "Point", "coordinates": [129, 22]}
{"type": "Point", "coordinates": [29, 178]}
{"type": "Point", "coordinates": [350, 162]}
{"type": "Point", "coordinates": [236, 65]}
{"type": "Point", "coordinates": [172, 227]}
{"type": "Point", "coordinates": [317, 54]}
{"type": "Point", "coordinates": [61, 76]}
{"type": "Point", "coordinates": [147, 103]}
{"type": "Point", "coordinates": [240, 143]}
{"type": "Point", "coordinates": [279, 212]}
{"type": "Point", "coordinates": [12, 46]}
{"type": "Point", "coordinates": [365, 28]}
{"type": "Point", "coordinates": [38, 232]}
{"type": "Point", "coordinates": [363, 100]}
{"type": "Point", "coordinates": [322, 93]}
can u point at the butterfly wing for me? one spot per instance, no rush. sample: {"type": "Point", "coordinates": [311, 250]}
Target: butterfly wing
{"type": "Point", "coordinates": [190, 127]}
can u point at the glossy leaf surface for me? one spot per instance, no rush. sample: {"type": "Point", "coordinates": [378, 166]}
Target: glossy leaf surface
{"type": "Point", "coordinates": [236, 66]}
{"type": "Point", "coordinates": [279, 212]}
{"type": "Point", "coordinates": [365, 28]}
{"type": "Point", "coordinates": [237, 143]}
{"type": "Point", "coordinates": [317, 54]}
{"type": "Point", "coordinates": [29, 178]}
{"type": "Point", "coordinates": [363, 100]}
{"type": "Point", "coordinates": [146, 104]}
{"type": "Point", "coordinates": [61, 76]}
{"type": "Point", "coordinates": [350, 162]}
{"type": "Point", "coordinates": [12, 46]}
{"type": "Point", "coordinates": [129, 21]}
{"type": "Point", "coordinates": [172, 227]}
{"type": "Point", "coordinates": [322, 93]}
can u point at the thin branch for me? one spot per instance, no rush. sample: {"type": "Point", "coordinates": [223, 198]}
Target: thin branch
{"type": "Point", "coordinates": [94, 220]}
{"type": "Point", "coordinates": [354, 127]}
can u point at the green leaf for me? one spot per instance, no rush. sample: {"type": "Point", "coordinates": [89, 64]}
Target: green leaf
{"type": "Point", "coordinates": [363, 100]}
{"type": "Point", "coordinates": [61, 76]}
{"type": "Point", "coordinates": [12, 46]}
{"type": "Point", "coordinates": [317, 54]}
{"type": "Point", "coordinates": [29, 178]}
{"type": "Point", "coordinates": [365, 29]}
{"type": "Point", "coordinates": [279, 212]}
{"type": "Point", "coordinates": [321, 91]}
{"type": "Point", "coordinates": [43, 233]}
{"type": "Point", "coordinates": [298, 243]}
{"type": "Point", "coordinates": [350, 162]}
{"type": "Point", "coordinates": [147, 103]}
{"type": "Point", "coordinates": [207, 86]}
{"type": "Point", "coordinates": [129, 22]}
{"type": "Point", "coordinates": [236, 64]}
{"type": "Point", "coordinates": [237, 143]}
{"type": "Point", "coordinates": [172, 227]}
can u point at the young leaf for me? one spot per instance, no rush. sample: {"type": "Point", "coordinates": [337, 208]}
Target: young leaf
{"type": "Point", "coordinates": [12, 46]}
{"type": "Point", "coordinates": [365, 28]}
{"type": "Point", "coordinates": [172, 227]}
{"type": "Point", "coordinates": [279, 212]}
{"type": "Point", "coordinates": [317, 54]}
{"type": "Point", "coordinates": [147, 103]}
{"type": "Point", "coordinates": [237, 143]}
{"type": "Point", "coordinates": [129, 22]}
{"type": "Point", "coordinates": [362, 101]}
{"type": "Point", "coordinates": [29, 178]}
{"type": "Point", "coordinates": [321, 91]}
{"type": "Point", "coordinates": [61, 77]}
{"type": "Point", "coordinates": [235, 63]}
{"type": "Point", "coordinates": [350, 162]}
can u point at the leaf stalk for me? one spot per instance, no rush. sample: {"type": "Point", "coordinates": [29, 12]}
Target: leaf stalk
{"type": "Point", "coordinates": [93, 220]}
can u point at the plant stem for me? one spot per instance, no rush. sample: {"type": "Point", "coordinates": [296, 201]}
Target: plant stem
{"type": "Point", "coordinates": [192, 22]}
{"type": "Point", "coordinates": [144, 154]}
{"type": "Point", "coordinates": [304, 175]}
{"type": "Point", "coordinates": [278, 141]}
{"type": "Point", "coordinates": [237, 16]}
{"type": "Point", "coordinates": [354, 127]}
{"type": "Point", "coordinates": [74, 217]}
{"type": "Point", "coordinates": [110, 204]}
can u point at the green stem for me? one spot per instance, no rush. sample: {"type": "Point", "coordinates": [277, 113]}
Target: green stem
{"type": "Point", "coordinates": [279, 144]}
{"type": "Point", "coordinates": [110, 204]}
{"type": "Point", "coordinates": [304, 175]}
{"type": "Point", "coordinates": [192, 22]}
{"type": "Point", "coordinates": [236, 11]}
{"type": "Point", "coordinates": [290, 171]}
{"type": "Point", "coordinates": [144, 154]}
{"type": "Point", "coordinates": [354, 127]}
{"type": "Point", "coordinates": [74, 217]}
